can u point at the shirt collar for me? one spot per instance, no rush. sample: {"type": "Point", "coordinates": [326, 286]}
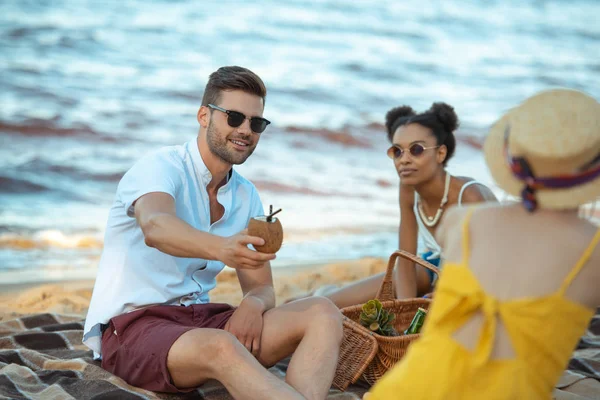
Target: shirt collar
{"type": "Point", "coordinates": [203, 174]}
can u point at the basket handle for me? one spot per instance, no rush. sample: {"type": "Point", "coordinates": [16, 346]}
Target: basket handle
{"type": "Point", "coordinates": [386, 291]}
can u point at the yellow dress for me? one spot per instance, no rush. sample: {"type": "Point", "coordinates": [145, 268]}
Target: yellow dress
{"type": "Point", "coordinates": [543, 331]}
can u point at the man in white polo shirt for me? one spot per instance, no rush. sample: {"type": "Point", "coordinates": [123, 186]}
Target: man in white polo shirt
{"type": "Point", "coordinates": [178, 218]}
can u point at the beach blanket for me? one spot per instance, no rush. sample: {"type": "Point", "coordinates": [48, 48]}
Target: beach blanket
{"type": "Point", "coordinates": [42, 357]}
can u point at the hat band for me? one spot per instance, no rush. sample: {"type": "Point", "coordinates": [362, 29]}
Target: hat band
{"type": "Point", "coordinates": [522, 171]}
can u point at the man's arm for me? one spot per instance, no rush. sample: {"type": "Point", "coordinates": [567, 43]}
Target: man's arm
{"type": "Point", "coordinates": [163, 230]}
{"type": "Point", "coordinates": [246, 323]}
{"type": "Point", "coordinates": [258, 284]}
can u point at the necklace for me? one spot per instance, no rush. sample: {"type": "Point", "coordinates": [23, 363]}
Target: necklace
{"type": "Point", "coordinates": [432, 221]}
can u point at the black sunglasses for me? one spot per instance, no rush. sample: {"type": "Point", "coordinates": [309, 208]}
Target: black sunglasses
{"type": "Point", "coordinates": [415, 150]}
{"type": "Point", "coordinates": [236, 118]}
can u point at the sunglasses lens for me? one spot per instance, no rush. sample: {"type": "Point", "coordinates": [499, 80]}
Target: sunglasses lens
{"type": "Point", "coordinates": [258, 125]}
{"type": "Point", "coordinates": [390, 152]}
{"type": "Point", "coordinates": [394, 152]}
{"type": "Point", "coordinates": [235, 119]}
{"type": "Point", "coordinates": [416, 150]}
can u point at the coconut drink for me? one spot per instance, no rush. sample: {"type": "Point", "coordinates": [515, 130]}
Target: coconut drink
{"type": "Point", "coordinates": [268, 228]}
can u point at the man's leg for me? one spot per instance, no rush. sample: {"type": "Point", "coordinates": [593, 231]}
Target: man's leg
{"type": "Point", "coordinates": [202, 354]}
{"type": "Point", "coordinates": [310, 328]}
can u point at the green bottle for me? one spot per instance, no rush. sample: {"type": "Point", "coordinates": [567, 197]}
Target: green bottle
{"type": "Point", "coordinates": [417, 322]}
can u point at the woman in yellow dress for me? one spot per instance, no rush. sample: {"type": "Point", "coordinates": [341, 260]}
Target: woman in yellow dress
{"type": "Point", "coordinates": [520, 281]}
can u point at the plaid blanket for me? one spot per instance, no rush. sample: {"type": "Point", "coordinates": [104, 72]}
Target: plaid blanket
{"type": "Point", "coordinates": [42, 357]}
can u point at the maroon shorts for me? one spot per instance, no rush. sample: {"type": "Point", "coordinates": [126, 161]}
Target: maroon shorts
{"type": "Point", "coordinates": [135, 345]}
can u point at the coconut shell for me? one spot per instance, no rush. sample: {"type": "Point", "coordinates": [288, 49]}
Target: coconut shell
{"type": "Point", "coordinates": [271, 232]}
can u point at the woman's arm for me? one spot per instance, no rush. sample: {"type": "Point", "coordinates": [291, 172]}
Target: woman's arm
{"type": "Point", "coordinates": [405, 273]}
{"type": "Point", "coordinates": [405, 277]}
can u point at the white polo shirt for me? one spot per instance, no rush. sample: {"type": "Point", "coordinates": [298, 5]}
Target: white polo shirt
{"type": "Point", "coordinates": [132, 275]}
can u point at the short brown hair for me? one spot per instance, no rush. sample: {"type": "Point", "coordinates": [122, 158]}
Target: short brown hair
{"type": "Point", "coordinates": [232, 78]}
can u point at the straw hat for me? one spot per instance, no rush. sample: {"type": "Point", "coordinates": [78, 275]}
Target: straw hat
{"type": "Point", "coordinates": [547, 150]}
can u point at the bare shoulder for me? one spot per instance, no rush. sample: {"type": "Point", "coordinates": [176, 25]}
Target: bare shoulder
{"type": "Point", "coordinates": [585, 286]}
{"type": "Point", "coordinates": [594, 266]}
{"type": "Point", "coordinates": [591, 232]}
{"type": "Point", "coordinates": [475, 192]}
{"type": "Point", "coordinates": [450, 221]}
{"type": "Point", "coordinates": [454, 215]}
{"type": "Point", "coordinates": [478, 193]}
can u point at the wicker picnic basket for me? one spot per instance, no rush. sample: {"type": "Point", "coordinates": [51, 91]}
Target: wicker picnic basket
{"type": "Point", "coordinates": [368, 355]}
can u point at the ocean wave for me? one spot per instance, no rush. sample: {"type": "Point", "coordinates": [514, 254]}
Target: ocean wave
{"type": "Point", "coordinates": [13, 185]}
{"type": "Point", "coordinates": [37, 91]}
{"type": "Point", "coordinates": [38, 164]}
{"type": "Point", "coordinates": [278, 187]}
{"type": "Point", "coordinates": [76, 118]}
{"type": "Point", "coordinates": [360, 135]}
{"type": "Point", "coordinates": [344, 136]}
{"type": "Point", "coordinates": [473, 141]}
{"type": "Point", "coordinates": [49, 239]}
{"type": "Point", "coordinates": [29, 31]}
{"type": "Point", "coordinates": [193, 95]}
{"type": "Point", "coordinates": [54, 239]}
{"type": "Point", "coordinates": [35, 127]}
{"type": "Point", "coordinates": [52, 188]}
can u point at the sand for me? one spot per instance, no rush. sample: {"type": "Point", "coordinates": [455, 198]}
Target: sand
{"type": "Point", "coordinates": [73, 297]}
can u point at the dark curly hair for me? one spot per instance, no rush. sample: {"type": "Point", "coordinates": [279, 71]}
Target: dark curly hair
{"type": "Point", "coordinates": [440, 118]}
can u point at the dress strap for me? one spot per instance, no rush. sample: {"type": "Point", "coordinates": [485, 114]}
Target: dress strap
{"type": "Point", "coordinates": [466, 185]}
{"type": "Point", "coordinates": [582, 261]}
{"type": "Point", "coordinates": [465, 236]}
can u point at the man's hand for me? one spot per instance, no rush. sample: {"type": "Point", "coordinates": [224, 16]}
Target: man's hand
{"type": "Point", "coordinates": [246, 324]}
{"type": "Point", "coordinates": [236, 254]}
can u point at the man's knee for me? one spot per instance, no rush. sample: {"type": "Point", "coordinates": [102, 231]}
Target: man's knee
{"type": "Point", "coordinates": [213, 351]}
{"type": "Point", "coordinates": [323, 314]}
{"type": "Point", "coordinates": [325, 307]}
{"type": "Point", "coordinates": [202, 354]}
{"type": "Point", "coordinates": [226, 346]}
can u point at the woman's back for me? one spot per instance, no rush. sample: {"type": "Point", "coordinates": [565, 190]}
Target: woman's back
{"type": "Point", "coordinates": [538, 250]}
{"type": "Point", "coordinates": [511, 338]}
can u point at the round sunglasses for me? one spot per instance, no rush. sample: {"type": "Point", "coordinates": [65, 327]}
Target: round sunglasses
{"type": "Point", "coordinates": [236, 118]}
{"type": "Point", "coordinates": [415, 150]}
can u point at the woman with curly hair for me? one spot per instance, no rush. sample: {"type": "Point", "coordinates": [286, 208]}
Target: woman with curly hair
{"type": "Point", "coordinates": [421, 146]}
